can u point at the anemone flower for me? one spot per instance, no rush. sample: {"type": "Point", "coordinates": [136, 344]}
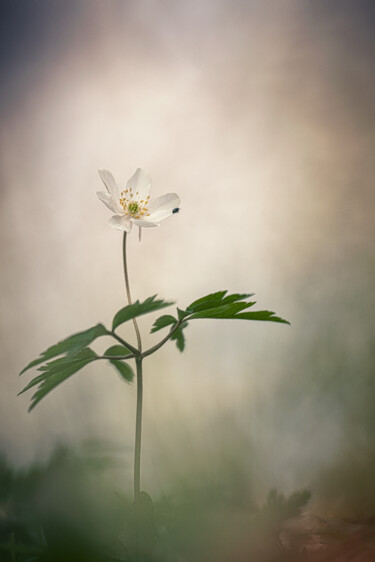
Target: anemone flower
{"type": "Point", "coordinates": [133, 204]}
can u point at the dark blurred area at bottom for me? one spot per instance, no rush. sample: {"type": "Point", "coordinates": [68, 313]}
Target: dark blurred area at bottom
{"type": "Point", "coordinates": [71, 510]}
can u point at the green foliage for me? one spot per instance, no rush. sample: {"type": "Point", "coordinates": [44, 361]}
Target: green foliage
{"type": "Point", "coordinates": [237, 297]}
{"type": "Point", "coordinates": [265, 315]}
{"type": "Point", "coordinates": [85, 516]}
{"type": "Point", "coordinates": [179, 337]}
{"type": "Point", "coordinates": [209, 301]}
{"type": "Point", "coordinates": [214, 300]}
{"type": "Point", "coordinates": [168, 320]}
{"type": "Point", "coordinates": [77, 354]}
{"type": "Point", "coordinates": [215, 305]}
{"type": "Point", "coordinates": [137, 309]}
{"type": "Point", "coordinates": [117, 350]}
{"type": "Point", "coordinates": [221, 305]}
{"type": "Point", "coordinates": [56, 372]}
{"type": "Point", "coordinates": [280, 507]}
{"type": "Point", "coordinates": [123, 369]}
{"type": "Point", "coordinates": [163, 322]}
{"type": "Point", "coordinates": [182, 313]}
{"type": "Point", "coordinates": [222, 311]}
{"type": "Point", "coordinates": [70, 346]}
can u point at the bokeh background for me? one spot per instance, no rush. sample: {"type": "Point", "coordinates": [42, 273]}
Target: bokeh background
{"type": "Point", "coordinates": [261, 116]}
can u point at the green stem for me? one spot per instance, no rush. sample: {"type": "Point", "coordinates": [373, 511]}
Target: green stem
{"type": "Point", "coordinates": [138, 360]}
{"type": "Point", "coordinates": [152, 350]}
{"type": "Point", "coordinates": [138, 432]}
{"type": "Point", "coordinates": [127, 287]}
{"type": "Point", "coordinates": [117, 357]}
{"type": "Point", "coordinates": [146, 353]}
{"type": "Point", "coordinates": [134, 350]}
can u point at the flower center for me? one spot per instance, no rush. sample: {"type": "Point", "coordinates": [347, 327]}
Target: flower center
{"type": "Point", "coordinates": [132, 205]}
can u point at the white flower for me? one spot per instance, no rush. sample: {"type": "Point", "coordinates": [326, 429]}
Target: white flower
{"type": "Point", "coordinates": [133, 205]}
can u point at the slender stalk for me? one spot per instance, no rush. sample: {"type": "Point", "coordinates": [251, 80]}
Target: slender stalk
{"type": "Point", "coordinates": [134, 350]}
{"type": "Point", "coordinates": [117, 357]}
{"type": "Point", "coordinates": [154, 348]}
{"type": "Point", "coordinates": [127, 287]}
{"type": "Point", "coordinates": [138, 360]}
{"type": "Point", "coordinates": [142, 355]}
{"type": "Point", "coordinates": [138, 432]}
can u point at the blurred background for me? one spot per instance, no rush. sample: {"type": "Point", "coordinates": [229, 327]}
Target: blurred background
{"type": "Point", "coordinates": [261, 116]}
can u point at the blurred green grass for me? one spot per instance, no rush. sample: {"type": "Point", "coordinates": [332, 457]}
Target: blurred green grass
{"type": "Point", "coordinates": [73, 508]}
{"type": "Point", "coordinates": [70, 509]}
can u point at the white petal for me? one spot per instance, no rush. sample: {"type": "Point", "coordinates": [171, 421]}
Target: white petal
{"type": "Point", "coordinates": [140, 184]}
{"type": "Point", "coordinates": [120, 223]}
{"type": "Point", "coordinates": [106, 198]}
{"type": "Point", "coordinates": [144, 222]}
{"type": "Point", "coordinates": [110, 183]}
{"type": "Point", "coordinates": [162, 207]}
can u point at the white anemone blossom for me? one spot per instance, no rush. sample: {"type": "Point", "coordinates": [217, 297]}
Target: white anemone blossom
{"type": "Point", "coordinates": [133, 204]}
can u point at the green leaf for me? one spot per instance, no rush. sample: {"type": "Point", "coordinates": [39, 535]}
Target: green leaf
{"type": "Point", "coordinates": [71, 345]}
{"type": "Point", "coordinates": [182, 313]}
{"type": "Point", "coordinates": [34, 382]}
{"type": "Point", "coordinates": [237, 297]}
{"type": "Point", "coordinates": [265, 315]}
{"type": "Point", "coordinates": [123, 369]}
{"type": "Point", "coordinates": [214, 300]}
{"type": "Point", "coordinates": [53, 367]}
{"type": "Point", "coordinates": [56, 372]}
{"type": "Point", "coordinates": [163, 322]}
{"type": "Point", "coordinates": [221, 305]}
{"type": "Point", "coordinates": [137, 309]}
{"type": "Point", "coordinates": [223, 311]}
{"type": "Point", "coordinates": [116, 350]}
{"type": "Point", "coordinates": [178, 336]}
{"type": "Point", "coordinates": [209, 301]}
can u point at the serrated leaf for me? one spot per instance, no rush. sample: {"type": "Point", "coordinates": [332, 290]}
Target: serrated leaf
{"type": "Point", "coordinates": [264, 315]}
{"type": "Point", "coordinates": [34, 382]}
{"type": "Point", "coordinates": [221, 305]}
{"type": "Point", "coordinates": [163, 322]}
{"type": "Point", "coordinates": [123, 369]}
{"type": "Point", "coordinates": [182, 313]}
{"type": "Point", "coordinates": [70, 346]}
{"type": "Point", "coordinates": [116, 350]}
{"type": "Point", "coordinates": [58, 373]}
{"type": "Point", "coordinates": [179, 337]}
{"type": "Point", "coordinates": [137, 309]}
{"type": "Point", "coordinates": [213, 300]}
{"type": "Point", "coordinates": [223, 311]}
{"type": "Point", "coordinates": [237, 297]}
{"type": "Point", "coordinates": [53, 367]}
{"type": "Point", "coordinates": [209, 301]}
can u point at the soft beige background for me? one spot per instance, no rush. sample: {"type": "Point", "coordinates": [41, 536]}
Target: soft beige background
{"type": "Point", "coordinates": [261, 116]}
